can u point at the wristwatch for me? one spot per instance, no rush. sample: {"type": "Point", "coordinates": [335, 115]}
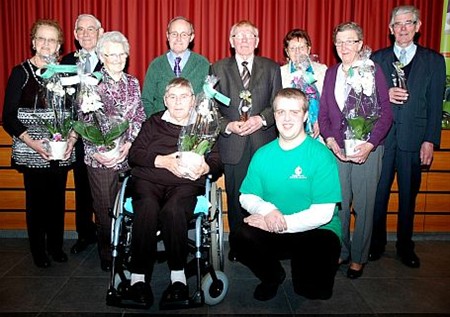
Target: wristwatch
{"type": "Point", "coordinates": [264, 121]}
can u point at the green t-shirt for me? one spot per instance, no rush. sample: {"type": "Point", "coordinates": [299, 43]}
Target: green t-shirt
{"type": "Point", "coordinates": [293, 180]}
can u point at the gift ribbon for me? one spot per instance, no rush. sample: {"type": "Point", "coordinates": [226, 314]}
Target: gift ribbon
{"type": "Point", "coordinates": [211, 93]}
{"type": "Point", "coordinates": [53, 69]}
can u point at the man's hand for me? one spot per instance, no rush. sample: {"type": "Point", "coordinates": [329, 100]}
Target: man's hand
{"type": "Point", "coordinates": [253, 124]}
{"type": "Point", "coordinates": [398, 95]}
{"type": "Point", "coordinates": [426, 153]}
{"type": "Point", "coordinates": [275, 221]}
{"type": "Point", "coordinates": [257, 221]}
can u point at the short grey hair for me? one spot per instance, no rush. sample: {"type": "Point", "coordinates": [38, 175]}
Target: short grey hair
{"type": "Point", "coordinates": [113, 37]}
{"type": "Point", "coordinates": [98, 24]}
{"type": "Point", "coordinates": [348, 26]}
{"type": "Point", "coordinates": [404, 10]}
{"type": "Point", "coordinates": [179, 82]}
{"type": "Point", "coordinates": [182, 19]}
{"type": "Point", "coordinates": [244, 23]}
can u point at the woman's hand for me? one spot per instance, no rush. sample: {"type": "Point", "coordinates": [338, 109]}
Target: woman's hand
{"type": "Point", "coordinates": [170, 162]}
{"type": "Point", "coordinates": [316, 130]}
{"type": "Point", "coordinates": [334, 147]}
{"type": "Point", "coordinates": [124, 149]}
{"type": "Point", "coordinates": [70, 145]}
{"type": "Point", "coordinates": [195, 172]}
{"type": "Point", "coordinates": [362, 153]}
{"type": "Point", "coordinates": [109, 162]}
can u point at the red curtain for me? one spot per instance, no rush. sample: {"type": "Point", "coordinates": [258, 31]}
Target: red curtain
{"type": "Point", "coordinates": [144, 23]}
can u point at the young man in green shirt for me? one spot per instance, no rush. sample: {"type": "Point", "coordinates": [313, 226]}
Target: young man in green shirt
{"type": "Point", "coordinates": [291, 190]}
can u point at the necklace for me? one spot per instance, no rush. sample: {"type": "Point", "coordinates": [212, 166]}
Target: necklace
{"type": "Point", "coordinates": [33, 73]}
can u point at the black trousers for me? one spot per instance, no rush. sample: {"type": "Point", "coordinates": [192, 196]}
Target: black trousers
{"type": "Point", "coordinates": [314, 257]}
{"type": "Point", "coordinates": [234, 176]}
{"type": "Point", "coordinates": [45, 203]}
{"type": "Point", "coordinates": [84, 210]}
{"type": "Point", "coordinates": [407, 167]}
{"type": "Point", "coordinates": [169, 208]}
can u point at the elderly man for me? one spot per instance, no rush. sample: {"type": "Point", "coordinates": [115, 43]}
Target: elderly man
{"type": "Point", "coordinates": [179, 61]}
{"type": "Point", "coordinates": [292, 206]}
{"type": "Point", "coordinates": [87, 31]}
{"type": "Point", "coordinates": [415, 131]}
{"type": "Point", "coordinates": [248, 80]}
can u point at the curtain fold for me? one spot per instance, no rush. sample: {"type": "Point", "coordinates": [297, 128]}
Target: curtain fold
{"type": "Point", "coordinates": [144, 23]}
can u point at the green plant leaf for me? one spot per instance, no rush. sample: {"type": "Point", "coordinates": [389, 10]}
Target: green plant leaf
{"type": "Point", "coordinates": [202, 147]}
{"type": "Point", "coordinates": [115, 132]}
{"type": "Point", "coordinates": [89, 132]}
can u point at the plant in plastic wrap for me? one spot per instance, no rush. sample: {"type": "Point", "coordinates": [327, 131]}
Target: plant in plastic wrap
{"type": "Point", "coordinates": [361, 109]}
{"type": "Point", "coordinates": [199, 135]}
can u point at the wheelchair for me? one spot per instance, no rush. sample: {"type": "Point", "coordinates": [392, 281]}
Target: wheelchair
{"type": "Point", "coordinates": [206, 250]}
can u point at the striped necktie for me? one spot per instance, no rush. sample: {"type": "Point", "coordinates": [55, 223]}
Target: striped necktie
{"type": "Point", "coordinates": [176, 68]}
{"type": "Point", "coordinates": [245, 75]}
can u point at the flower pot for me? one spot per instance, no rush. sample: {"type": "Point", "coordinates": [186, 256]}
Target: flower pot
{"type": "Point", "coordinates": [57, 149]}
{"type": "Point", "coordinates": [349, 146]}
{"type": "Point", "coordinates": [113, 153]}
{"type": "Point", "coordinates": [190, 160]}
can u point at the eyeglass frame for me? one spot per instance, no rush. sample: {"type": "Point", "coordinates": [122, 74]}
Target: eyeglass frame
{"type": "Point", "coordinates": [43, 40]}
{"type": "Point", "coordinates": [116, 56]}
{"type": "Point", "coordinates": [175, 35]}
{"type": "Point", "coordinates": [248, 36]}
{"type": "Point", "coordinates": [184, 98]}
{"type": "Point", "coordinates": [90, 30]}
{"type": "Point", "coordinates": [346, 43]}
{"type": "Point", "coordinates": [406, 24]}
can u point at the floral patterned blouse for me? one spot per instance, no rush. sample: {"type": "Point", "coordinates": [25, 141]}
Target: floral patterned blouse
{"type": "Point", "coordinates": [121, 101]}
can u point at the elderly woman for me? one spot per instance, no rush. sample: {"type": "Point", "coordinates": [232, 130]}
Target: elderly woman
{"type": "Point", "coordinates": [121, 97]}
{"type": "Point", "coordinates": [303, 73]}
{"type": "Point", "coordinates": [165, 193]}
{"type": "Point", "coordinates": [44, 179]}
{"type": "Point", "coordinates": [354, 82]}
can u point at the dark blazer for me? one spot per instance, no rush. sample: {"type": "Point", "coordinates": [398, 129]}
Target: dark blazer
{"type": "Point", "coordinates": [419, 118]}
{"type": "Point", "coordinates": [265, 81]}
{"type": "Point", "coordinates": [331, 117]}
{"type": "Point", "coordinates": [70, 59]}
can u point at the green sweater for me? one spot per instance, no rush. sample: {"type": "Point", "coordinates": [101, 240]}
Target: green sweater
{"type": "Point", "coordinates": [159, 74]}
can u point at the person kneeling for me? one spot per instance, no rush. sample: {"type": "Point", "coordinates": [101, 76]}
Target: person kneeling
{"type": "Point", "coordinates": [164, 195]}
{"type": "Point", "coordinates": [292, 206]}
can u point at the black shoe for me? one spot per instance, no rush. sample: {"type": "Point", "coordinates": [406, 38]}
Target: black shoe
{"type": "Point", "coordinates": [41, 261]}
{"type": "Point", "coordinates": [375, 255]}
{"type": "Point", "coordinates": [140, 292]}
{"type": "Point", "coordinates": [175, 296]}
{"type": "Point", "coordinates": [268, 290]}
{"type": "Point", "coordinates": [354, 274]}
{"type": "Point", "coordinates": [106, 265]}
{"type": "Point", "coordinates": [232, 257]}
{"type": "Point", "coordinates": [81, 245]}
{"type": "Point", "coordinates": [59, 256]}
{"type": "Point", "coordinates": [409, 259]}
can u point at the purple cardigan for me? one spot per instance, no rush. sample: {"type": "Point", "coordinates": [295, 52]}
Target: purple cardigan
{"type": "Point", "coordinates": [331, 117]}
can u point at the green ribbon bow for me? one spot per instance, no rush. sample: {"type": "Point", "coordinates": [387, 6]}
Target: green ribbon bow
{"type": "Point", "coordinates": [53, 69]}
{"type": "Point", "coordinates": [211, 93]}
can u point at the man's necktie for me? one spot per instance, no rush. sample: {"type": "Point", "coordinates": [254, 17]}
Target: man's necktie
{"type": "Point", "coordinates": [176, 68]}
{"type": "Point", "coordinates": [87, 64]}
{"type": "Point", "coordinates": [402, 58]}
{"type": "Point", "coordinates": [245, 75]}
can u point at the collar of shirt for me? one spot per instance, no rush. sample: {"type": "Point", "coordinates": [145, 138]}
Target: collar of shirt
{"type": "Point", "coordinates": [410, 51]}
{"type": "Point", "coordinates": [93, 58]}
{"type": "Point", "coordinates": [239, 61]}
{"type": "Point", "coordinates": [184, 58]}
{"type": "Point", "coordinates": [168, 118]}
{"type": "Point", "coordinates": [107, 77]}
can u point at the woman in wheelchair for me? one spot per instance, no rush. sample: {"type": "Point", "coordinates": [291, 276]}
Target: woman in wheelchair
{"type": "Point", "coordinates": [165, 195]}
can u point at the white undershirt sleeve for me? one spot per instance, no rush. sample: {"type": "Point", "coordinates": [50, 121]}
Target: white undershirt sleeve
{"type": "Point", "coordinates": [313, 217]}
{"type": "Point", "coordinates": [255, 204]}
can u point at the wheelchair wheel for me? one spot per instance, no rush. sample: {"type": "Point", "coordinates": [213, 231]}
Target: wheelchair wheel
{"type": "Point", "coordinates": [215, 291]}
{"type": "Point", "coordinates": [217, 243]}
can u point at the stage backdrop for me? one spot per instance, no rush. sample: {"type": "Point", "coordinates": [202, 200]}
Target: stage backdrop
{"type": "Point", "coordinates": [144, 22]}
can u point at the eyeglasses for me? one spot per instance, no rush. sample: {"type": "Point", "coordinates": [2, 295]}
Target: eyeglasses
{"type": "Point", "coordinates": [116, 56]}
{"type": "Point", "coordinates": [182, 98]}
{"type": "Point", "coordinates": [346, 43]}
{"type": "Point", "coordinates": [42, 40]}
{"type": "Point", "coordinates": [297, 48]}
{"type": "Point", "coordinates": [241, 36]}
{"type": "Point", "coordinates": [183, 35]}
{"type": "Point", "coordinates": [90, 30]}
{"type": "Point", "coordinates": [406, 24]}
